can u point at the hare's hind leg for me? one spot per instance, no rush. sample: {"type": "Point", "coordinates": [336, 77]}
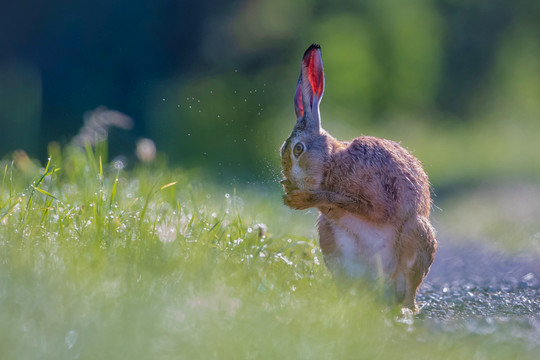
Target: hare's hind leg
{"type": "Point", "coordinates": [416, 251]}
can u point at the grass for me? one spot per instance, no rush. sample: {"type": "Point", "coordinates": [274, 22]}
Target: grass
{"type": "Point", "coordinates": [151, 263]}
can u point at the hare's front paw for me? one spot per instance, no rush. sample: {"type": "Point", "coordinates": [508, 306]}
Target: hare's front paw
{"type": "Point", "coordinates": [288, 186]}
{"type": "Point", "coordinates": [300, 199]}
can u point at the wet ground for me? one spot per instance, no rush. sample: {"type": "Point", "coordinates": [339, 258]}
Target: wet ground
{"type": "Point", "coordinates": [483, 291]}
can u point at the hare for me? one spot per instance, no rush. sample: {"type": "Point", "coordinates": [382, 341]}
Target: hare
{"type": "Point", "coordinates": [372, 195]}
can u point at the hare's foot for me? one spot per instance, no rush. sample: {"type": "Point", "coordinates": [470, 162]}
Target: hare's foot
{"type": "Point", "coordinates": [418, 245]}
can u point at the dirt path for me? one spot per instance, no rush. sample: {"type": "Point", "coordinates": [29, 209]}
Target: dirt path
{"type": "Point", "coordinates": [482, 291]}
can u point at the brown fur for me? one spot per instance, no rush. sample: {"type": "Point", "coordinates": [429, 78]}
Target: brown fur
{"type": "Point", "coordinates": [376, 180]}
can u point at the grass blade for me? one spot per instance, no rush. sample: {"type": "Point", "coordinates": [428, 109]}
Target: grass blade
{"type": "Point", "coordinates": [101, 172]}
{"type": "Point", "coordinates": [143, 211]}
{"type": "Point", "coordinates": [91, 156]}
{"type": "Point", "coordinates": [44, 192]}
{"type": "Point", "coordinates": [168, 185]}
{"type": "Point", "coordinates": [113, 191]}
{"type": "Point", "coordinates": [12, 208]}
{"type": "Point", "coordinates": [3, 180]}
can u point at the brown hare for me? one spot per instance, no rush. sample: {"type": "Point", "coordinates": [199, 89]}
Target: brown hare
{"type": "Point", "coordinates": [372, 195]}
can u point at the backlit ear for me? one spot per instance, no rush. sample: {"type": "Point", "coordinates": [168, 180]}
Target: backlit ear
{"type": "Point", "coordinates": [312, 79]}
{"type": "Point", "coordinates": [298, 106]}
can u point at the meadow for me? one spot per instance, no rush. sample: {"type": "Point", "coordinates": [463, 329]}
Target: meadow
{"type": "Point", "coordinates": [157, 263]}
{"type": "Point", "coordinates": [197, 257]}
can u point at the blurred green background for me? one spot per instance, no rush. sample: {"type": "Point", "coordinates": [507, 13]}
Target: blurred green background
{"type": "Point", "coordinates": [211, 82]}
{"type": "Point", "coordinates": [150, 268]}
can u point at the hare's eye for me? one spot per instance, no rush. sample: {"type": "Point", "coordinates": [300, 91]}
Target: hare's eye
{"type": "Point", "coordinates": [298, 149]}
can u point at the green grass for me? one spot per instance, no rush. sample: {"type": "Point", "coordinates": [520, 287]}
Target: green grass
{"type": "Point", "coordinates": [152, 263]}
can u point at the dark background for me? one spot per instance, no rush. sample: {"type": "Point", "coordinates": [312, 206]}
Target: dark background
{"type": "Point", "coordinates": [211, 82]}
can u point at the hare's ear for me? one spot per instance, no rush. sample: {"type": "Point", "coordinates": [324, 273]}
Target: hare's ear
{"type": "Point", "coordinates": [298, 106]}
{"type": "Point", "coordinates": [312, 85]}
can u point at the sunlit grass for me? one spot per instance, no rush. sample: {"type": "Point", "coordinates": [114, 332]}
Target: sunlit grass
{"type": "Point", "coordinates": [98, 262]}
